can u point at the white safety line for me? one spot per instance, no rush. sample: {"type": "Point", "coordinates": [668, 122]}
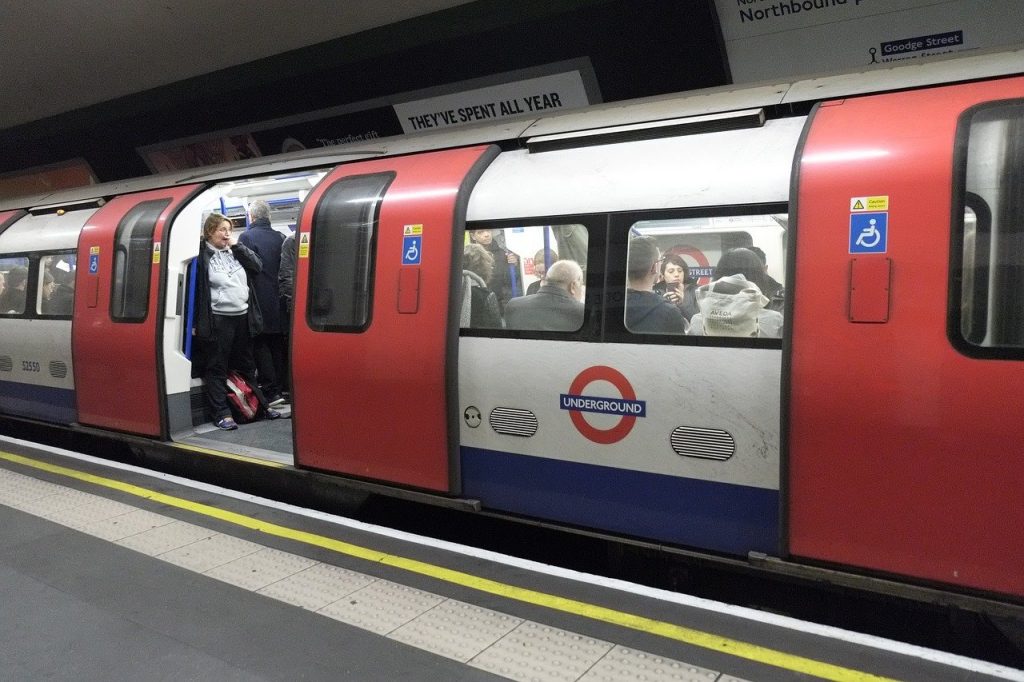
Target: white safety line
{"type": "Point", "coordinates": [827, 631]}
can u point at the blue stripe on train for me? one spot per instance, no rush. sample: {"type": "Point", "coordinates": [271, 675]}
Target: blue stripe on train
{"type": "Point", "coordinates": [38, 402]}
{"type": "Point", "coordinates": [714, 516]}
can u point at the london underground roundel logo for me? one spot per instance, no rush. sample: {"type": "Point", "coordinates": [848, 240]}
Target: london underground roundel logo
{"type": "Point", "coordinates": [576, 402]}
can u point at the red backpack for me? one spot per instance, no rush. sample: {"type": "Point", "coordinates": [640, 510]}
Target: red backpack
{"type": "Point", "coordinates": [244, 404]}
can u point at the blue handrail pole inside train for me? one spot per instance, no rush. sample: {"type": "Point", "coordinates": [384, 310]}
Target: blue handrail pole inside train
{"type": "Point", "coordinates": [190, 304]}
{"type": "Point", "coordinates": [513, 278]}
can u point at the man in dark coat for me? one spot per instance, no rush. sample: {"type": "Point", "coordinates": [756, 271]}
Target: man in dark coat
{"type": "Point", "coordinates": [646, 311]}
{"type": "Point", "coordinates": [557, 306]}
{"type": "Point", "coordinates": [268, 347]}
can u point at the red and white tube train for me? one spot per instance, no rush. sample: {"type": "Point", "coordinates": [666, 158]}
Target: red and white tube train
{"type": "Point", "coordinates": [881, 435]}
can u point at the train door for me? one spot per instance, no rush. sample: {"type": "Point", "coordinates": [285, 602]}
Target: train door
{"type": "Point", "coordinates": [376, 321]}
{"type": "Point", "coordinates": [118, 317]}
{"type": "Point", "coordinates": [904, 429]}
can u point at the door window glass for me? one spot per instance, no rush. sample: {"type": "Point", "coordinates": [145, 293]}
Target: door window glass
{"type": "Point", "coordinates": [344, 243]}
{"type": "Point", "coordinates": [988, 315]}
{"type": "Point", "coordinates": [133, 248]}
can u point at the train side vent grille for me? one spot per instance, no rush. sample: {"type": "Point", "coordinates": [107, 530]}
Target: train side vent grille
{"type": "Point", "coordinates": [510, 421]}
{"type": "Point", "coordinates": [691, 441]}
{"type": "Point", "coordinates": [6, 364]}
{"type": "Point", "coordinates": [58, 369]}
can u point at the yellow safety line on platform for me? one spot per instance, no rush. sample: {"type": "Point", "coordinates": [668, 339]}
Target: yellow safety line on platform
{"type": "Point", "coordinates": [678, 633]}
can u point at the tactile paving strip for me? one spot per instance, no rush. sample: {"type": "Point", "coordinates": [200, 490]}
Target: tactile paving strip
{"type": "Point", "coordinates": [317, 586]}
{"type": "Point", "coordinates": [628, 664]}
{"type": "Point", "coordinates": [456, 630]}
{"type": "Point", "coordinates": [554, 654]}
{"type": "Point", "coordinates": [261, 568]}
{"type": "Point", "coordinates": [486, 639]}
{"type": "Point", "coordinates": [381, 606]}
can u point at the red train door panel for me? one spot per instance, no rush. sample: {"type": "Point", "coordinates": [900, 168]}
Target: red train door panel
{"type": "Point", "coordinates": [115, 337]}
{"type": "Point", "coordinates": [374, 333]}
{"type": "Point", "coordinates": [5, 218]}
{"type": "Point", "coordinates": [904, 454]}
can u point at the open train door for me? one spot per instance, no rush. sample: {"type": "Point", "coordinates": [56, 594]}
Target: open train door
{"type": "Point", "coordinates": [904, 426]}
{"type": "Point", "coordinates": [375, 327]}
{"type": "Point", "coordinates": [117, 323]}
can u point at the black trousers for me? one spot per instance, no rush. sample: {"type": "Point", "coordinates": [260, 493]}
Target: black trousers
{"type": "Point", "coordinates": [269, 351]}
{"type": "Point", "coordinates": [230, 348]}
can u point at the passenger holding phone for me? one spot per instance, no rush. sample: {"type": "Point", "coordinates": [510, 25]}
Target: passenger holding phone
{"type": "Point", "coordinates": [676, 286]}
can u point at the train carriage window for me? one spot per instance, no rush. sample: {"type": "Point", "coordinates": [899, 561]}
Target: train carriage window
{"type": "Point", "coordinates": [987, 312]}
{"type": "Point", "coordinates": [13, 284]}
{"type": "Point", "coordinates": [706, 276]}
{"type": "Point", "coordinates": [343, 244]}
{"type": "Point", "coordinates": [525, 278]}
{"type": "Point", "coordinates": [133, 247]}
{"type": "Point", "coordinates": [55, 293]}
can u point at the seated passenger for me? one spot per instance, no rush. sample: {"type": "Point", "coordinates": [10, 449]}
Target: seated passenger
{"type": "Point", "coordinates": [646, 311]}
{"type": "Point", "coordinates": [557, 306]}
{"type": "Point", "coordinates": [539, 268]}
{"type": "Point", "coordinates": [13, 298]}
{"type": "Point", "coordinates": [480, 309]}
{"type": "Point", "coordinates": [733, 305]}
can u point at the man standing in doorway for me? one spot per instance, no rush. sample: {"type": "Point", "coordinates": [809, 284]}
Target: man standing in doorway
{"type": "Point", "coordinates": [268, 347]}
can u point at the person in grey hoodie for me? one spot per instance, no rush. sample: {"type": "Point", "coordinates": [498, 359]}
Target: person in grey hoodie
{"type": "Point", "coordinates": [227, 316]}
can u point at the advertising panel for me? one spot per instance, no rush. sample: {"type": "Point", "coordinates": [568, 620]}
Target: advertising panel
{"type": "Point", "coordinates": [777, 39]}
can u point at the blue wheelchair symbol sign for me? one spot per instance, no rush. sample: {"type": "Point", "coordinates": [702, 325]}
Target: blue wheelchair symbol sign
{"type": "Point", "coordinates": [869, 232]}
{"type": "Point", "coordinates": [94, 263]}
{"type": "Point", "coordinates": [412, 250]}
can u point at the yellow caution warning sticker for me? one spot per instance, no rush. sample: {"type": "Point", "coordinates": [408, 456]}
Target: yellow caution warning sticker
{"type": "Point", "coordinates": [880, 203]}
{"type": "Point", "coordinates": [304, 245]}
{"type": "Point", "coordinates": [156, 253]}
{"type": "Point", "coordinates": [412, 230]}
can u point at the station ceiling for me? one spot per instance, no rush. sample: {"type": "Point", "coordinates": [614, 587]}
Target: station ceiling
{"type": "Point", "coordinates": [57, 56]}
{"type": "Point", "coordinates": [95, 82]}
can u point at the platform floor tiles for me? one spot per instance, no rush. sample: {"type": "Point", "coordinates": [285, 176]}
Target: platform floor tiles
{"type": "Point", "coordinates": [481, 638]}
{"type": "Point", "coordinates": [127, 575]}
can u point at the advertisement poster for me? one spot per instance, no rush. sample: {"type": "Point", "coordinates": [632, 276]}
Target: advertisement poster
{"type": "Point", "coordinates": [359, 126]}
{"type": "Point", "coordinates": [780, 39]}
{"type": "Point", "coordinates": [539, 90]}
{"type": "Point", "coordinates": [175, 157]}
{"type": "Point", "coordinates": [532, 96]}
{"type": "Point", "coordinates": [39, 180]}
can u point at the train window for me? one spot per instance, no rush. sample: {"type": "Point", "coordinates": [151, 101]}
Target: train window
{"type": "Point", "coordinates": [526, 278]}
{"type": "Point", "coordinates": [133, 246]}
{"type": "Point", "coordinates": [988, 315]}
{"type": "Point", "coordinates": [13, 284]}
{"type": "Point", "coordinates": [343, 245]}
{"type": "Point", "coordinates": [706, 276]}
{"type": "Point", "coordinates": [55, 295]}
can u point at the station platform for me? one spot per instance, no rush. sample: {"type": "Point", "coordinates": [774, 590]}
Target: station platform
{"type": "Point", "coordinates": [110, 572]}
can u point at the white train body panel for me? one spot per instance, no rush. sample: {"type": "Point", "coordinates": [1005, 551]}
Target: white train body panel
{"type": "Point", "coordinates": [36, 371]}
{"type": "Point", "coordinates": [729, 167]}
{"type": "Point", "coordinates": [681, 386]}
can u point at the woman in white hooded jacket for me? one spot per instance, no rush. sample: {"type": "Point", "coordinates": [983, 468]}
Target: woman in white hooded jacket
{"type": "Point", "coordinates": [733, 304]}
